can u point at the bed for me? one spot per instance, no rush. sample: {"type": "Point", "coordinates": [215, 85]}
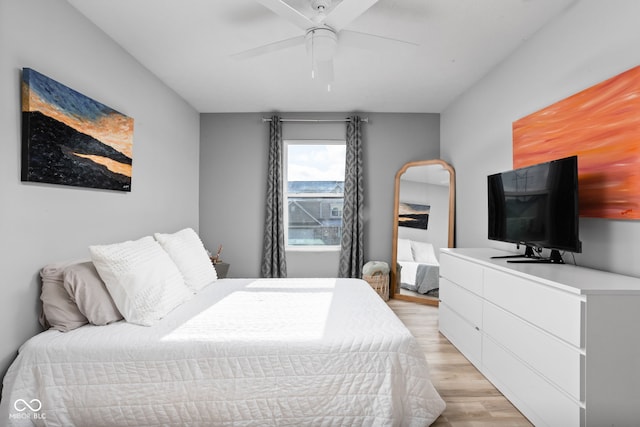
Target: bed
{"type": "Point", "coordinates": [240, 352]}
{"type": "Point", "coordinates": [418, 267]}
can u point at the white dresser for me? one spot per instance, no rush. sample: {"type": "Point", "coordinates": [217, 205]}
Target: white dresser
{"type": "Point", "coordinates": [561, 342]}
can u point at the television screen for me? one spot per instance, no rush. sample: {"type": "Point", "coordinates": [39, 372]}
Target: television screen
{"type": "Point", "coordinates": [536, 206]}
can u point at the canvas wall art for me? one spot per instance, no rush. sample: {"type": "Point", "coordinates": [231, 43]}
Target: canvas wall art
{"type": "Point", "coordinates": [601, 125]}
{"type": "Point", "coordinates": [71, 139]}
{"type": "Point", "coordinates": [413, 215]}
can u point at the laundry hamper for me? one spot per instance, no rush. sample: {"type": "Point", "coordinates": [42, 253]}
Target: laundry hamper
{"type": "Point", "coordinates": [380, 283]}
{"type": "Point", "coordinates": [376, 273]}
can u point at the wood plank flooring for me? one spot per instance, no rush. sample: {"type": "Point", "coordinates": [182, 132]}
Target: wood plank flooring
{"type": "Point", "coordinates": [471, 399]}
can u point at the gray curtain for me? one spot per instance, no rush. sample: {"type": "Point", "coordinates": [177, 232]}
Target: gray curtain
{"type": "Point", "coordinates": [352, 245]}
{"type": "Point", "coordinates": [274, 263]}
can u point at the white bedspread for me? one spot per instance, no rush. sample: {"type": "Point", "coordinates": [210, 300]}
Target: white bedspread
{"type": "Point", "coordinates": [326, 352]}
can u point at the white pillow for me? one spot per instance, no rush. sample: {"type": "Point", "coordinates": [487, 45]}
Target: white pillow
{"type": "Point", "coordinates": [141, 278]}
{"type": "Point", "coordinates": [186, 249]}
{"type": "Point", "coordinates": [423, 253]}
{"type": "Point", "coordinates": [404, 250]}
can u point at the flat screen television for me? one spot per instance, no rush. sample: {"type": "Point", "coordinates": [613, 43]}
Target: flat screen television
{"type": "Point", "coordinates": [536, 206]}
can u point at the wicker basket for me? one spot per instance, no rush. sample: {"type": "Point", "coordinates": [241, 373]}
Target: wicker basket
{"type": "Point", "coordinates": [380, 283]}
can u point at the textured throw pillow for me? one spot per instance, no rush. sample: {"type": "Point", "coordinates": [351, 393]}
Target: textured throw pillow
{"type": "Point", "coordinates": [59, 311]}
{"type": "Point", "coordinates": [423, 253]}
{"type": "Point", "coordinates": [88, 291]}
{"type": "Point", "coordinates": [142, 279]}
{"type": "Point", "coordinates": [404, 250]}
{"type": "Point", "coordinates": [186, 249]}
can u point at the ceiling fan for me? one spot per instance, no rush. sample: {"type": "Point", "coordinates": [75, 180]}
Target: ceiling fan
{"type": "Point", "coordinates": [322, 32]}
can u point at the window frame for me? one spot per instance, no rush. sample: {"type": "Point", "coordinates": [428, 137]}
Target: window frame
{"type": "Point", "coordinates": [287, 195]}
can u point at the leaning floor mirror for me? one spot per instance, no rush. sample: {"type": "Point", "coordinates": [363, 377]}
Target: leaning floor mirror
{"type": "Point", "coordinates": [424, 215]}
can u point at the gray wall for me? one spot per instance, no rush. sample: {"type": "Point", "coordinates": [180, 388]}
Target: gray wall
{"type": "Point", "coordinates": [590, 42]}
{"type": "Point", "coordinates": [46, 223]}
{"type": "Point", "coordinates": [232, 182]}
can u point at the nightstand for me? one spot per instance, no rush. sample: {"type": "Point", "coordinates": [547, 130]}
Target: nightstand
{"type": "Point", "coordinates": [221, 269]}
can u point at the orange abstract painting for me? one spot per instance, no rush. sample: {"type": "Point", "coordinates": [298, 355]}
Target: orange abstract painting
{"type": "Point", "coordinates": [601, 125]}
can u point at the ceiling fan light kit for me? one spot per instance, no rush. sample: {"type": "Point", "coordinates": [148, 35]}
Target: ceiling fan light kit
{"type": "Point", "coordinates": [321, 44]}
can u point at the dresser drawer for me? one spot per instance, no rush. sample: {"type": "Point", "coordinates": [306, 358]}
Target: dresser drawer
{"type": "Point", "coordinates": [555, 311]}
{"type": "Point", "coordinates": [462, 334]}
{"type": "Point", "coordinates": [463, 302]}
{"type": "Point", "coordinates": [557, 361]}
{"type": "Point", "coordinates": [462, 273]}
{"type": "Point", "coordinates": [535, 397]}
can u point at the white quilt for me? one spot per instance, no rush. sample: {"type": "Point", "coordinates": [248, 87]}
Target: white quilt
{"type": "Point", "coordinates": [242, 352]}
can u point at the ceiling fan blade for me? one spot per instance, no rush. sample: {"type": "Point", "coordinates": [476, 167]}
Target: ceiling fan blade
{"type": "Point", "coordinates": [346, 12]}
{"type": "Point", "coordinates": [359, 40]}
{"type": "Point", "coordinates": [281, 8]}
{"type": "Point", "coordinates": [268, 48]}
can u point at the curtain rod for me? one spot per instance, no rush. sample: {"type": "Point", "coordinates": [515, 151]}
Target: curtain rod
{"type": "Point", "coordinates": [364, 119]}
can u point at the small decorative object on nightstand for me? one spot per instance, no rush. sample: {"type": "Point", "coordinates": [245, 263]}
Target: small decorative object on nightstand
{"type": "Point", "coordinates": [222, 268]}
{"type": "Point", "coordinates": [216, 258]}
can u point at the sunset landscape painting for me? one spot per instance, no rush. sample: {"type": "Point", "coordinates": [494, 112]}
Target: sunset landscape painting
{"type": "Point", "coordinates": [70, 139]}
{"type": "Point", "coordinates": [413, 215]}
{"type": "Point", "coordinates": [601, 125]}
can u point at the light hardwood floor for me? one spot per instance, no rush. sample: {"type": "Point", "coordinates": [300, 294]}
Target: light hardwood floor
{"type": "Point", "coordinates": [471, 399]}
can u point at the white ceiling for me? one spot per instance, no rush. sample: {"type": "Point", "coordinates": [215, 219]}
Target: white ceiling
{"type": "Point", "coordinates": [188, 43]}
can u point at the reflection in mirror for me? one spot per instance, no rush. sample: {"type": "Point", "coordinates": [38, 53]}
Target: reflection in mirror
{"type": "Point", "coordinates": [423, 223]}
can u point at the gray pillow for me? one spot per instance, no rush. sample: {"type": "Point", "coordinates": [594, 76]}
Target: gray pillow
{"type": "Point", "coordinates": [59, 311]}
{"type": "Point", "coordinates": [88, 291]}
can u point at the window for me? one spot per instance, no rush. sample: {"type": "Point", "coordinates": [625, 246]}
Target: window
{"type": "Point", "coordinates": [314, 187]}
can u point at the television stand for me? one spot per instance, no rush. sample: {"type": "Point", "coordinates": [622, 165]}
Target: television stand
{"type": "Point", "coordinates": [554, 258]}
{"type": "Point", "coordinates": [528, 253]}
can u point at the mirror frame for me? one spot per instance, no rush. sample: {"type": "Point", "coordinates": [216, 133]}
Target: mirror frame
{"type": "Point", "coordinates": [396, 204]}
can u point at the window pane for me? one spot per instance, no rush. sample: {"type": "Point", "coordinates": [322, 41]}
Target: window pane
{"type": "Point", "coordinates": [318, 187]}
{"type": "Point", "coordinates": [314, 169]}
{"type": "Point", "coordinates": [315, 221]}
{"type": "Point", "coordinates": [315, 162]}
